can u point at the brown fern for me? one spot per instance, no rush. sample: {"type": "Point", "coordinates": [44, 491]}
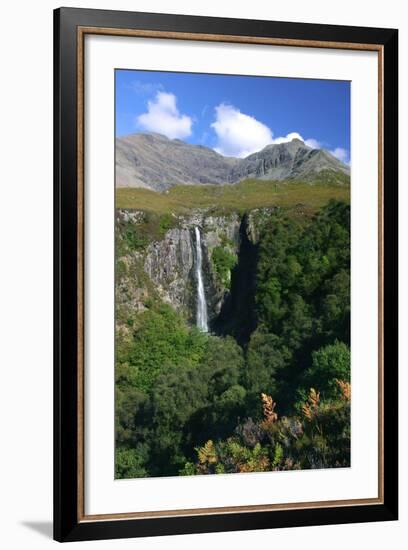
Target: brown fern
{"type": "Point", "coordinates": [262, 464]}
{"type": "Point", "coordinates": [207, 454]}
{"type": "Point", "coordinates": [345, 389]}
{"type": "Point", "coordinates": [314, 398]}
{"type": "Point", "coordinates": [307, 411]}
{"type": "Point", "coordinates": [311, 407]}
{"type": "Point", "coordinates": [269, 409]}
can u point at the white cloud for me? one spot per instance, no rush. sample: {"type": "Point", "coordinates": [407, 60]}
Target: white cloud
{"type": "Point", "coordinates": [313, 143]}
{"type": "Point", "coordinates": [310, 142]}
{"type": "Point", "coordinates": [163, 117]}
{"type": "Point", "coordinates": [239, 135]}
{"type": "Point", "coordinates": [288, 137]}
{"type": "Point", "coordinates": [341, 154]}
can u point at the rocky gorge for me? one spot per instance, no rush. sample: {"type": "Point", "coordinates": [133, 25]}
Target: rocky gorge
{"type": "Point", "coordinates": [162, 265]}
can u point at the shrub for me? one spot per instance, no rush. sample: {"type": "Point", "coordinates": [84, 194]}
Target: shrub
{"type": "Point", "coordinates": [223, 261]}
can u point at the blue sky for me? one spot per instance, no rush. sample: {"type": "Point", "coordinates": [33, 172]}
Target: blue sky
{"type": "Point", "coordinates": [235, 115]}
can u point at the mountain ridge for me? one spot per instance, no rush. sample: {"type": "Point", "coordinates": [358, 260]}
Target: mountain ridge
{"type": "Point", "coordinates": [153, 161]}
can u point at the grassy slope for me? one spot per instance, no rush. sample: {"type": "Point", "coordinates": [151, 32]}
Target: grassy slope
{"type": "Point", "coordinates": [244, 196]}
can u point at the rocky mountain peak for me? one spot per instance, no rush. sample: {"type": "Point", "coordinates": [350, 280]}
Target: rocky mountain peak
{"type": "Point", "coordinates": [153, 161]}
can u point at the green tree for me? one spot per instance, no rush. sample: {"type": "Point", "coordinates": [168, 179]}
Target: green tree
{"type": "Point", "coordinates": [160, 338]}
{"type": "Point", "coordinates": [130, 463]}
{"type": "Point", "coordinates": [329, 364]}
{"type": "Point", "coordinates": [267, 359]}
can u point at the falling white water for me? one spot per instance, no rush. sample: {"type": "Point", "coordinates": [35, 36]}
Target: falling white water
{"type": "Point", "coordinates": [202, 321]}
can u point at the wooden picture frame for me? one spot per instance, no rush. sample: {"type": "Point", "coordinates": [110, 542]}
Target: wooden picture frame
{"type": "Point", "coordinates": [70, 28]}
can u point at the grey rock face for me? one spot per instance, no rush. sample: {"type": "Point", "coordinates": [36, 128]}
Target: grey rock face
{"type": "Point", "coordinates": [286, 161]}
{"type": "Point", "coordinates": [169, 264]}
{"type": "Point", "coordinates": [218, 231]}
{"type": "Point", "coordinates": [165, 269]}
{"type": "Point", "coordinates": [155, 162]}
{"type": "Point", "coordinates": [255, 221]}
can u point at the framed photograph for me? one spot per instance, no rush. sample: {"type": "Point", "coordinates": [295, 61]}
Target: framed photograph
{"type": "Point", "coordinates": [225, 274]}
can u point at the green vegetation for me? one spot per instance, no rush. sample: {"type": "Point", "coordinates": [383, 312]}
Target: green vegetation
{"type": "Point", "coordinates": [134, 237]}
{"type": "Point", "coordinates": [192, 403]}
{"type": "Point", "coordinates": [244, 196]}
{"type": "Point", "coordinates": [223, 261]}
{"type": "Point", "coordinates": [159, 338]}
{"type": "Point", "coordinates": [319, 437]}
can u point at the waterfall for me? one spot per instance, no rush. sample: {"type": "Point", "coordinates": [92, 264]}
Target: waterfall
{"type": "Point", "coordinates": [202, 320]}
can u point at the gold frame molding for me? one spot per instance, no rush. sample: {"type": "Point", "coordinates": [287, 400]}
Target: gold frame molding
{"type": "Point", "coordinates": [82, 31]}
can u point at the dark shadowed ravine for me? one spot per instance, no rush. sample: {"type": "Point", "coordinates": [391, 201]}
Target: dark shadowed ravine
{"type": "Point", "coordinates": [238, 313]}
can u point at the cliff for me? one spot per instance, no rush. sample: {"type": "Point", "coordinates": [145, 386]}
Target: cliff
{"type": "Point", "coordinates": [156, 260]}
